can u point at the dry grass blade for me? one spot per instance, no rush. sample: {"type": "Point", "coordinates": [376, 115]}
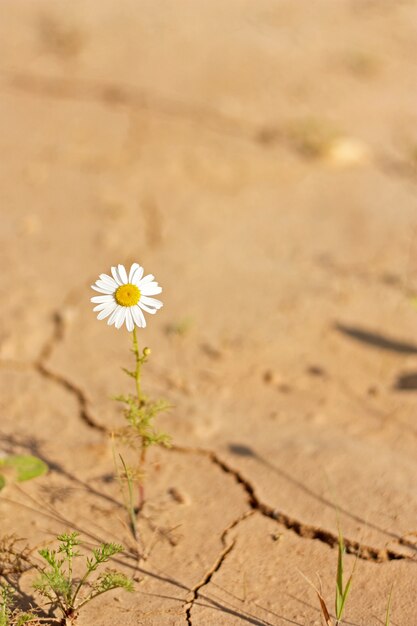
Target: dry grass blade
{"type": "Point", "coordinates": [328, 620]}
{"type": "Point", "coordinates": [326, 615]}
{"type": "Point", "coordinates": [388, 613]}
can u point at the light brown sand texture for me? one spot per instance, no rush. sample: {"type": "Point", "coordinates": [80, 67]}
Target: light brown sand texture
{"type": "Point", "coordinates": [259, 157]}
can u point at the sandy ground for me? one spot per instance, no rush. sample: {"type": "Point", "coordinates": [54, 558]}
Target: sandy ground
{"type": "Point", "coordinates": [260, 159]}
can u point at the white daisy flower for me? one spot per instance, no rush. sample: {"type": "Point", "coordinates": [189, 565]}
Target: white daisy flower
{"type": "Point", "coordinates": [125, 297]}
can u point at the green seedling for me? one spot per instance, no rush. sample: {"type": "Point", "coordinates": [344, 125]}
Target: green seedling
{"type": "Point", "coordinates": [9, 614]}
{"type": "Point", "coordinates": [20, 467]}
{"type": "Point", "coordinates": [341, 592]}
{"type": "Point", "coordinates": [69, 593]}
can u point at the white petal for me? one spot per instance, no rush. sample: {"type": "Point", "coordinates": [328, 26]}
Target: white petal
{"type": "Point", "coordinates": [120, 317]}
{"type": "Point", "coordinates": [102, 289]}
{"type": "Point", "coordinates": [135, 270]}
{"type": "Point", "coordinates": [137, 275]}
{"type": "Point", "coordinates": [138, 317]}
{"type": "Point", "coordinates": [102, 306]}
{"type": "Point", "coordinates": [129, 320]}
{"type": "Point", "coordinates": [146, 279]}
{"type": "Point", "coordinates": [133, 267]}
{"type": "Point", "coordinates": [146, 308]}
{"type": "Point", "coordinates": [122, 273]}
{"type": "Point", "coordinates": [100, 299]}
{"type": "Point", "coordinates": [112, 317]}
{"type": "Point", "coordinates": [105, 313]}
{"type": "Point", "coordinates": [151, 289]}
{"type": "Point", "coordinates": [108, 280]}
{"type": "Point", "coordinates": [116, 276]}
{"type": "Point", "coordinates": [153, 302]}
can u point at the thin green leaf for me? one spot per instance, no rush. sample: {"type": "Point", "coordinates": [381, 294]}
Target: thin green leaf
{"type": "Point", "coordinates": [344, 596]}
{"type": "Point", "coordinates": [130, 506]}
{"type": "Point", "coordinates": [339, 577]}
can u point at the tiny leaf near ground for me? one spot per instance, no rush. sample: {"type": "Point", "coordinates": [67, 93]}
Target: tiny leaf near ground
{"type": "Point", "coordinates": [21, 467]}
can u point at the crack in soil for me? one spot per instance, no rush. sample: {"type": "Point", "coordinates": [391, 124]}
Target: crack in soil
{"type": "Point", "coordinates": [206, 579]}
{"type": "Point", "coordinates": [41, 366]}
{"type": "Point", "coordinates": [235, 523]}
{"type": "Point", "coordinates": [84, 411]}
{"type": "Point", "coordinates": [217, 565]}
{"type": "Point", "coordinates": [307, 531]}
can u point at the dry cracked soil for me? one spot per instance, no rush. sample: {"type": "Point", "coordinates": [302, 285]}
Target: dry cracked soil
{"type": "Point", "coordinates": [260, 159]}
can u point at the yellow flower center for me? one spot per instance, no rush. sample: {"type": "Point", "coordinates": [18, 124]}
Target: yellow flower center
{"type": "Point", "coordinates": [127, 295]}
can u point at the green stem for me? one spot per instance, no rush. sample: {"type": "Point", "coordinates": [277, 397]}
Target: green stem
{"type": "Point", "coordinates": [130, 505]}
{"type": "Point", "coordinates": [139, 361]}
{"type": "Point", "coordinates": [141, 400]}
{"type": "Point", "coordinates": [82, 581]}
{"type": "Point", "coordinates": [70, 556]}
{"type": "Point", "coordinates": [93, 595]}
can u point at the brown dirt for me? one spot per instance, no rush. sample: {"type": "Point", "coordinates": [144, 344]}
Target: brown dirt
{"type": "Point", "coordinates": [260, 159]}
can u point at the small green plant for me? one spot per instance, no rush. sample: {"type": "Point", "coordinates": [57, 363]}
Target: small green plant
{"type": "Point", "coordinates": [124, 296]}
{"type": "Point", "coordinates": [69, 593]}
{"type": "Point", "coordinates": [20, 467]}
{"type": "Point", "coordinates": [9, 614]}
{"type": "Point", "coordinates": [342, 590]}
